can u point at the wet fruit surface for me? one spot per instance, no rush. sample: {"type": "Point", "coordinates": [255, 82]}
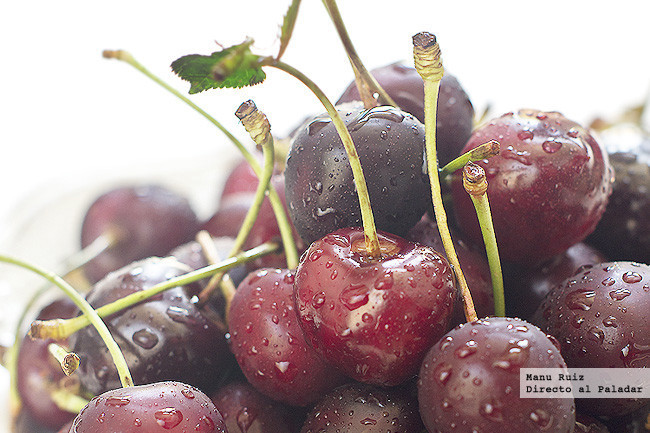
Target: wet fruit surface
{"type": "Point", "coordinates": [600, 317]}
{"type": "Point", "coordinates": [363, 408]}
{"type": "Point", "coordinates": [373, 318]}
{"type": "Point", "coordinates": [320, 191]}
{"type": "Point", "coordinates": [269, 345]}
{"type": "Point", "coordinates": [160, 407]}
{"type": "Point", "coordinates": [164, 338]}
{"type": "Point", "coordinates": [469, 381]}
{"type": "Point", "coordinates": [547, 188]}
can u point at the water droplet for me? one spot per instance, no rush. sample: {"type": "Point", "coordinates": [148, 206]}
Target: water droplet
{"type": "Point", "coordinates": [446, 342]}
{"type": "Point", "coordinates": [368, 421]}
{"type": "Point", "coordinates": [187, 393]}
{"type": "Point", "coordinates": [315, 255]}
{"type": "Point", "coordinates": [596, 334]}
{"type": "Point", "coordinates": [522, 156]}
{"type": "Point", "coordinates": [181, 315]}
{"type": "Point", "coordinates": [282, 366]}
{"type": "Point", "coordinates": [205, 425]}
{"type": "Point", "coordinates": [383, 135]}
{"type": "Point", "coordinates": [367, 318]}
{"type": "Point", "coordinates": [632, 277]}
{"type": "Point", "coordinates": [492, 411]}
{"type": "Point", "coordinates": [468, 349]}
{"type": "Point", "coordinates": [318, 300]}
{"type": "Point", "coordinates": [289, 278]}
{"type": "Point", "coordinates": [580, 300]}
{"type": "Point", "coordinates": [354, 296]}
{"type": "Point", "coordinates": [245, 419]}
{"type": "Point", "coordinates": [573, 133]}
{"type": "Point", "coordinates": [542, 419]}
{"type": "Point", "coordinates": [168, 418]}
{"type": "Point", "coordinates": [334, 274]}
{"type": "Point", "coordinates": [608, 281]}
{"type": "Point", "coordinates": [551, 146]}
{"type": "Point", "coordinates": [118, 401]}
{"type": "Point", "coordinates": [620, 294]}
{"type": "Point", "coordinates": [137, 422]}
{"type": "Point", "coordinates": [442, 373]}
{"type": "Point", "coordinates": [636, 355]}
{"type": "Point", "coordinates": [317, 124]}
{"type": "Point", "coordinates": [385, 282]}
{"type": "Point", "coordinates": [338, 240]}
{"type": "Point", "coordinates": [381, 112]}
{"type": "Point", "coordinates": [145, 338]}
{"type": "Point", "coordinates": [525, 135]}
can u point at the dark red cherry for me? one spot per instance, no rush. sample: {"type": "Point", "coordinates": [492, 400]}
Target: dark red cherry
{"type": "Point", "coordinates": [547, 188]}
{"type": "Point", "coordinates": [164, 338]}
{"type": "Point", "coordinates": [38, 373]}
{"type": "Point", "coordinates": [320, 190]}
{"type": "Point", "coordinates": [469, 380]}
{"type": "Point", "coordinates": [588, 424]}
{"type": "Point", "coordinates": [357, 407]}
{"type": "Point", "coordinates": [455, 112]}
{"type": "Point", "coordinates": [600, 317]}
{"type": "Point", "coordinates": [147, 220]}
{"type": "Point", "coordinates": [624, 230]}
{"type": "Point", "coordinates": [636, 422]}
{"type": "Point", "coordinates": [246, 410]}
{"type": "Point", "coordinates": [527, 286]}
{"type": "Point", "coordinates": [373, 318]}
{"type": "Point", "coordinates": [473, 263]}
{"type": "Point", "coordinates": [269, 345]}
{"type": "Point", "coordinates": [160, 407]}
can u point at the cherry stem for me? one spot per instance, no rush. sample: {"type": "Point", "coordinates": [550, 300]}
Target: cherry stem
{"type": "Point", "coordinates": [89, 313]}
{"type": "Point", "coordinates": [59, 329]}
{"type": "Point", "coordinates": [69, 360]}
{"type": "Point", "coordinates": [372, 241]}
{"type": "Point", "coordinates": [475, 183]}
{"type": "Point", "coordinates": [428, 63]}
{"type": "Point", "coordinates": [366, 83]}
{"type": "Point", "coordinates": [212, 256]}
{"type": "Point", "coordinates": [290, 249]}
{"type": "Point", "coordinates": [68, 401]}
{"type": "Point", "coordinates": [484, 151]}
{"type": "Point", "coordinates": [257, 125]}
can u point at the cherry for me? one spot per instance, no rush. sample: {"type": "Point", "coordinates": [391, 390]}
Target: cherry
{"type": "Point", "coordinates": [320, 191]}
{"type": "Point", "coordinates": [636, 422]}
{"type": "Point", "coordinates": [268, 343]}
{"type": "Point", "coordinates": [469, 380]}
{"type": "Point", "coordinates": [599, 316]}
{"type": "Point", "coordinates": [25, 423]}
{"type": "Point", "coordinates": [359, 407]}
{"type": "Point", "coordinates": [157, 407]}
{"type": "Point", "coordinates": [455, 112]}
{"type": "Point", "coordinates": [146, 220]}
{"type": "Point", "coordinates": [163, 338]}
{"type": "Point", "coordinates": [38, 373]}
{"type": "Point", "coordinates": [547, 188]}
{"type": "Point", "coordinates": [587, 424]}
{"type": "Point", "coordinates": [245, 410]}
{"type": "Point", "coordinates": [526, 286]}
{"type": "Point", "coordinates": [624, 230]}
{"type": "Point", "coordinates": [474, 265]}
{"type": "Point", "coordinates": [373, 318]}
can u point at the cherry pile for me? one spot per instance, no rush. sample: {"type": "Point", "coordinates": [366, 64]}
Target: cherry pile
{"type": "Point", "coordinates": [360, 336]}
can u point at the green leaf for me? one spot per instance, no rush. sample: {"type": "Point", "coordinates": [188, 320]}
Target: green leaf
{"type": "Point", "coordinates": [287, 26]}
{"type": "Point", "coordinates": [232, 67]}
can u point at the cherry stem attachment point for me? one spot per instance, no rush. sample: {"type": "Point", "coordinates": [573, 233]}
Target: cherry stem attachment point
{"type": "Point", "coordinates": [372, 241]}
{"type": "Point", "coordinates": [366, 83]}
{"type": "Point", "coordinates": [89, 313]}
{"type": "Point", "coordinates": [484, 151]}
{"type": "Point", "coordinates": [62, 328]}
{"type": "Point", "coordinates": [475, 183]}
{"type": "Point", "coordinates": [284, 226]}
{"type": "Point", "coordinates": [428, 63]}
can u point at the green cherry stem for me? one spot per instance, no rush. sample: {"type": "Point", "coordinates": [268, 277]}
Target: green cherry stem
{"type": "Point", "coordinates": [475, 183]}
{"type": "Point", "coordinates": [290, 250]}
{"type": "Point", "coordinates": [428, 63]}
{"type": "Point", "coordinates": [362, 76]}
{"type": "Point", "coordinates": [220, 279]}
{"type": "Point", "coordinates": [63, 328]}
{"type": "Point", "coordinates": [69, 360]}
{"type": "Point", "coordinates": [89, 313]}
{"type": "Point", "coordinates": [257, 125]}
{"type": "Point", "coordinates": [369, 228]}
{"type": "Point", "coordinates": [484, 151]}
{"type": "Point", "coordinates": [68, 401]}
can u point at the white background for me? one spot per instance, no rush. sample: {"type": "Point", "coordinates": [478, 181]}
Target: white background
{"type": "Point", "coordinates": [69, 118]}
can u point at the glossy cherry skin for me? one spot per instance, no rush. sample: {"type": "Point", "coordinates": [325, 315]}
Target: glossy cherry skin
{"type": "Point", "coordinates": [153, 408]}
{"type": "Point", "coordinates": [526, 286]}
{"type": "Point", "coordinates": [164, 338]}
{"type": "Point", "coordinates": [473, 263]}
{"type": "Point", "coordinates": [246, 410]}
{"type": "Point", "coordinates": [38, 373]}
{"type": "Point", "coordinates": [600, 317]}
{"type": "Point", "coordinates": [269, 345]}
{"type": "Point", "coordinates": [357, 407]}
{"type": "Point", "coordinates": [547, 188]}
{"type": "Point", "coordinates": [148, 220]}
{"type": "Point", "coordinates": [320, 189]}
{"type": "Point", "coordinates": [455, 113]}
{"type": "Point", "coordinates": [469, 380]}
{"type": "Point", "coordinates": [373, 318]}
